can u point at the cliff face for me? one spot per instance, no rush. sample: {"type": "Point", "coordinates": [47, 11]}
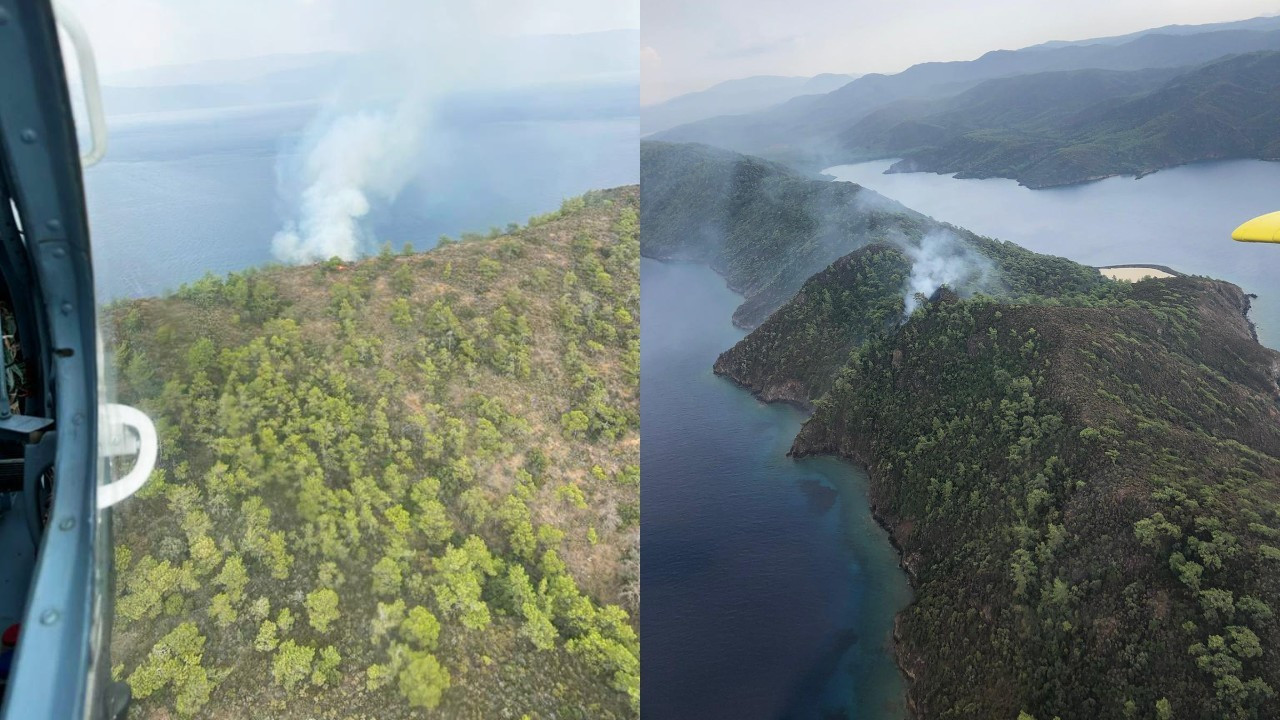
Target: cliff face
{"type": "Point", "coordinates": [1088, 499]}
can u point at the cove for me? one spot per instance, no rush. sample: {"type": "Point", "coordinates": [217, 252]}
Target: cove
{"type": "Point", "coordinates": [769, 589]}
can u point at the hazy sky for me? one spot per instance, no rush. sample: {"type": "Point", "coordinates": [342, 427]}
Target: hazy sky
{"type": "Point", "coordinates": [132, 34]}
{"type": "Point", "coordinates": [692, 44]}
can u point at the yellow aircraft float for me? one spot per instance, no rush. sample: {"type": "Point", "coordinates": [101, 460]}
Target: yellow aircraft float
{"type": "Point", "coordinates": [1264, 228]}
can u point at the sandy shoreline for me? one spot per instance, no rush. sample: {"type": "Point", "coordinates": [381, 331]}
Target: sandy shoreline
{"type": "Point", "coordinates": [1134, 273]}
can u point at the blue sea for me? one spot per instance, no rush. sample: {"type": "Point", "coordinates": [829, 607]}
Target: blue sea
{"type": "Point", "coordinates": [184, 193]}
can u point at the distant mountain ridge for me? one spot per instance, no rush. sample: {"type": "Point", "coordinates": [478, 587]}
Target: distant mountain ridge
{"type": "Point", "coordinates": [510, 65]}
{"type": "Point", "coordinates": [806, 131]}
{"type": "Point", "coordinates": [734, 97]}
{"type": "Point", "coordinates": [1060, 128]}
{"type": "Point", "coordinates": [1085, 126]}
{"type": "Point", "coordinates": [1265, 22]}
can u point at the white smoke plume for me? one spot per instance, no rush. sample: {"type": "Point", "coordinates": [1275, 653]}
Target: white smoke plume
{"type": "Point", "coordinates": [411, 58]}
{"type": "Point", "coordinates": [355, 158]}
{"type": "Point", "coordinates": [941, 258]}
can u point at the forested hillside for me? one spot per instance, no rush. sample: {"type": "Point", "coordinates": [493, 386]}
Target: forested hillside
{"type": "Point", "coordinates": [765, 228]}
{"type": "Point", "coordinates": [1083, 475]}
{"type": "Point", "coordinates": [796, 353]}
{"type": "Point", "coordinates": [1019, 106]}
{"type": "Point", "coordinates": [1087, 499]}
{"type": "Point", "coordinates": [401, 484]}
{"type": "Point", "coordinates": [768, 229]}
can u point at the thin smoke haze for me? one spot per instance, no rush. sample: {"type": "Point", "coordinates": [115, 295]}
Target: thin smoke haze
{"type": "Point", "coordinates": [370, 140]}
{"type": "Point", "coordinates": [367, 142]}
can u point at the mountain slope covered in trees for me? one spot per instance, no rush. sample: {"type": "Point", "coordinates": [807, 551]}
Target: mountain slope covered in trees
{"type": "Point", "coordinates": [1261, 23]}
{"type": "Point", "coordinates": [767, 228]}
{"type": "Point", "coordinates": [1083, 476]}
{"type": "Point", "coordinates": [406, 483]}
{"type": "Point", "coordinates": [795, 354]}
{"type": "Point", "coordinates": [1087, 496]}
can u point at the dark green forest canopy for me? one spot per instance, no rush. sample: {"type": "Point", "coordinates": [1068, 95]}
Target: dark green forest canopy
{"type": "Point", "coordinates": [1085, 484]}
{"type": "Point", "coordinates": [796, 353]}
{"type": "Point", "coordinates": [408, 482]}
{"type": "Point", "coordinates": [1088, 497]}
